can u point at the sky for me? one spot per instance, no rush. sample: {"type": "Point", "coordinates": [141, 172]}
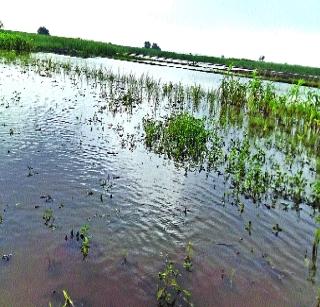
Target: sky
{"type": "Point", "coordinates": [285, 31]}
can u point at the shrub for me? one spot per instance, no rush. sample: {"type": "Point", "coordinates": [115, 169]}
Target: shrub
{"type": "Point", "coordinates": [43, 31]}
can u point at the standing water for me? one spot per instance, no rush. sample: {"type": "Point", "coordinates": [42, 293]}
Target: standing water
{"type": "Point", "coordinates": [97, 195]}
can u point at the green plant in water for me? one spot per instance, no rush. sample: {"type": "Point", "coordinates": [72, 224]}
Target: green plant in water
{"type": "Point", "coordinates": [276, 229]}
{"type": "Point", "coordinates": [313, 262]}
{"type": "Point", "coordinates": [298, 184]}
{"type": "Point", "coordinates": [67, 300]}
{"type": "Point", "coordinates": [256, 180]}
{"type": "Point", "coordinates": [318, 298]}
{"type": "Point", "coordinates": [187, 264]}
{"type": "Point", "coordinates": [185, 138]}
{"type": "Point", "coordinates": [196, 95]}
{"type": "Point", "coordinates": [85, 244]}
{"type": "Point", "coordinates": [248, 227]}
{"type": "Point", "coordinates": [169, 291]}
{"type": "Point", "coordinates": [48, 217]}
{"type": "Point", "coordinates": [153, 131]}
{"type": "Point", "coordinates": [241, 208]}
{"type": "Point", "coordinates": [232, 91]}
{"type": "Point", "coordinates": [316, 194]}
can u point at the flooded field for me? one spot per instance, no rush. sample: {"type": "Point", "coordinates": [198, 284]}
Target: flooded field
{"type": "Point", "coordinates": [112, 172]}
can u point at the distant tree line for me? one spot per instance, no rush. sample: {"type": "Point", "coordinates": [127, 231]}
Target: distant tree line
{"type": "Point", "coordinates": [1, 24]}
{"type": "Point", "coordinates": [155, 46]}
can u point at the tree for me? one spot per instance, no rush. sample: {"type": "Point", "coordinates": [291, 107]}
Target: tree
{"type": "Point", "coordinates": [1, 24]}
{"type": "Point", "coordinates": [43, 30]}
{"type": "Point", "coordinates": [155, 46]}
{"type": "Point", "coordinates": [147, 44]}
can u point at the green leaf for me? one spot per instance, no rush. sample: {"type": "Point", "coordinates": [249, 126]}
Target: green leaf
{"type": "Point", "coordinates": [68, 301]}
{"type": "Point", "coordinates": [160, 293]}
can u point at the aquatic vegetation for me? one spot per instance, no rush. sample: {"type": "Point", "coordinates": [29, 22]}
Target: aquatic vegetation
{"type": "Point", "coordinates": [48, 217]}
{"type": "Point", "coordinates": [85, 244]}
{"type": "Point", "coordinates": [246, 170]}
{"type": "Point", "coordinates": [248, 227]}
{"type": "Point", "coordinates": [241, 208]}
{"type": "Point", "coordinates": [183, 138]}
{"type": "Point", "coordinates": [232, 92]}
{"type": "Point", "coordinates": [187, 264]}
{"type": "Point", "coordinates": [153, 131]}
{"type": "Point", "coordinates": [276, 229]}
{"type": "Point", "coordinates": [255, 181]}
{"type": "Point", "coordinates": [67, 300]}
{"type": "Point", "coordinates": [196, 95]}
{"type": "Point", "coordinates": [169, 291]}
{"type": "Point", "coordinates": [83, 235]}
{"type": "Point", "coordinates": [298, 185]}
{"type": "Point", "coordinates": [318, 299]}
{"type": "Point", "coordinates": [47, 197]}
{"type": "Point", "coordinates": [314, 256]}
{"type": "Point", "coordinates": [316, 194]}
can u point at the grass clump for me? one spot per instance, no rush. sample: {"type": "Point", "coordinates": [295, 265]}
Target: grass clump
{"type": "Point", "coordinates": [185, 137]}
{"type": "Point", "coordinates": [232, 92]}
{"type": "Point", "coordinates": [153, 132]}
{"type": "Point", "coordinates": [85, 244]}
{"type": "Point", "coordinates": [48, 218]}
{"type": "Point", "coordinates": [182, 138]}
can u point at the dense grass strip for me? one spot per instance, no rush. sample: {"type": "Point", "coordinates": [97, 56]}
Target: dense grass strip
{"type": "Point", "coordinates": [16, 42]}
{"type": "Point", "coordinates": [88, 48]}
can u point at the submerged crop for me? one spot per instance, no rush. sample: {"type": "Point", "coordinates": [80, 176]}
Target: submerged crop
{"type": "Point", "coordinates": [182, 138]}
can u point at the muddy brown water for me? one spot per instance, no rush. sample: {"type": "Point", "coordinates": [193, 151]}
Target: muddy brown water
{"type": "Point", "coordinates": [70, 156]}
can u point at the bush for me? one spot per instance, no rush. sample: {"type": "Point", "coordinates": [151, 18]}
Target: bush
{"type": "Point", "coordinates": [147, 44]}
{"type": "Point", "coordinates": [43, 31]}
{"type": "Point", "coordinates": [155, 46]}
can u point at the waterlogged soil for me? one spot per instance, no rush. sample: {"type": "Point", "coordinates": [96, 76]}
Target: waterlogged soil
{"type": "Point", "coordinates": [63, 147]}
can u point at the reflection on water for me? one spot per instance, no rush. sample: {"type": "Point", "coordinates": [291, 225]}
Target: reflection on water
{"type": "Point", "coordinates": [59, 138]}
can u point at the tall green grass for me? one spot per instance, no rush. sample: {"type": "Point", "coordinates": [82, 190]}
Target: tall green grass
{"type": "Point", "coordinates": [16, 42]}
